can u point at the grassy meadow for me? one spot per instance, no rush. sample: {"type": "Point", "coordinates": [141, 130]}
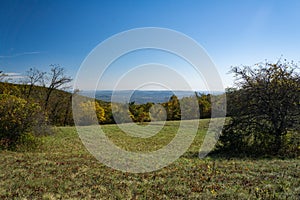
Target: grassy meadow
{"type": "Point", "coordinates": [61, 168]}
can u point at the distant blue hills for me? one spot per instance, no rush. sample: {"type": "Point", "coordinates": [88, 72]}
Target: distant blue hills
{"type": "Point", "coordinates": [140, 96]}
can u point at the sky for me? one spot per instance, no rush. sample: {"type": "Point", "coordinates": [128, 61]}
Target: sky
{"type": "Point", "coordinates": [38, 33]}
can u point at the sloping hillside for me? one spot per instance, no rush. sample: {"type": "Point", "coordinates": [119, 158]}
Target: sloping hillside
{"type": "Point", "coordinates": [59, 105]}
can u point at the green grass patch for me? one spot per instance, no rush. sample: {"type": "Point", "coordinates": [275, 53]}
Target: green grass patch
{"type": "Point", "coordinates": [61, 168]}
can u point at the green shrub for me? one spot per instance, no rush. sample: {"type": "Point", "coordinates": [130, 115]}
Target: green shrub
{"type": "Point", "coordinates": [27, 142]}
{"type": "Point", "coordinates": [291, 146]}
{"type": "Point", "coordinates": [264, 109]}
{"type": "Point", "coordinates": [18, 121]}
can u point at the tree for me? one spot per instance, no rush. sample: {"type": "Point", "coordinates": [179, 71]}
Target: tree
{"type": "Point", "coordinates": [157, 113]}
{"type": "Point", "coordinates": [33, 77]}
{"type": "Point", "coordinates": [140, 113]}
{"type": "Point", "coordinates": [264, 108]}
{"type": "Point", "coordinates": [190, 107]}
{"type": "Point", "coordinates": [204, 101]}
{"type": "Point", "coordinates": [90, 112]}
{"type": "Point", "coordinates": [68, 114]}
{"type": "Point", "coordinates": [57, 78]}
{"type": "Point", "coordinates": [173, 108]}
{"type": "Point", "coordinates": [120, 112]}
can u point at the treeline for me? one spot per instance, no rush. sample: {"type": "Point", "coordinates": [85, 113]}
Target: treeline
{"type": "Point", "coordinates": [49, 91]}
{"type": "Point", "coordinates": [194, 107]}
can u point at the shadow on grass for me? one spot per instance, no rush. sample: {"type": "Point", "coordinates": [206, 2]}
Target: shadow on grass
{"type": "Point", "coordinates": [221, 155]}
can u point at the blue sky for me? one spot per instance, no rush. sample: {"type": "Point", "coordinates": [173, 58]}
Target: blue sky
{"type": "Point", "coordinates": [39, 33]}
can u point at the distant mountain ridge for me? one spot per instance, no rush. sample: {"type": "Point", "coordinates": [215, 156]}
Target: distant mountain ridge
{"type": "Point", "coordinates": [140, 96]}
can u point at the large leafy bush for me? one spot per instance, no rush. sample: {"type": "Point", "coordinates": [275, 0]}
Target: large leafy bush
{"type": "Point", "coordinates": [264, 110]}
{"type": "Point", "coordinates": [19, 119]}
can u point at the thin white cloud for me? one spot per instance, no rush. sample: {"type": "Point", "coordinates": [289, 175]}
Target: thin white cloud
{"type": "Point", "coordinates": [12, 76]}
{"type": "Point", "coordinates": [20, 54]}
